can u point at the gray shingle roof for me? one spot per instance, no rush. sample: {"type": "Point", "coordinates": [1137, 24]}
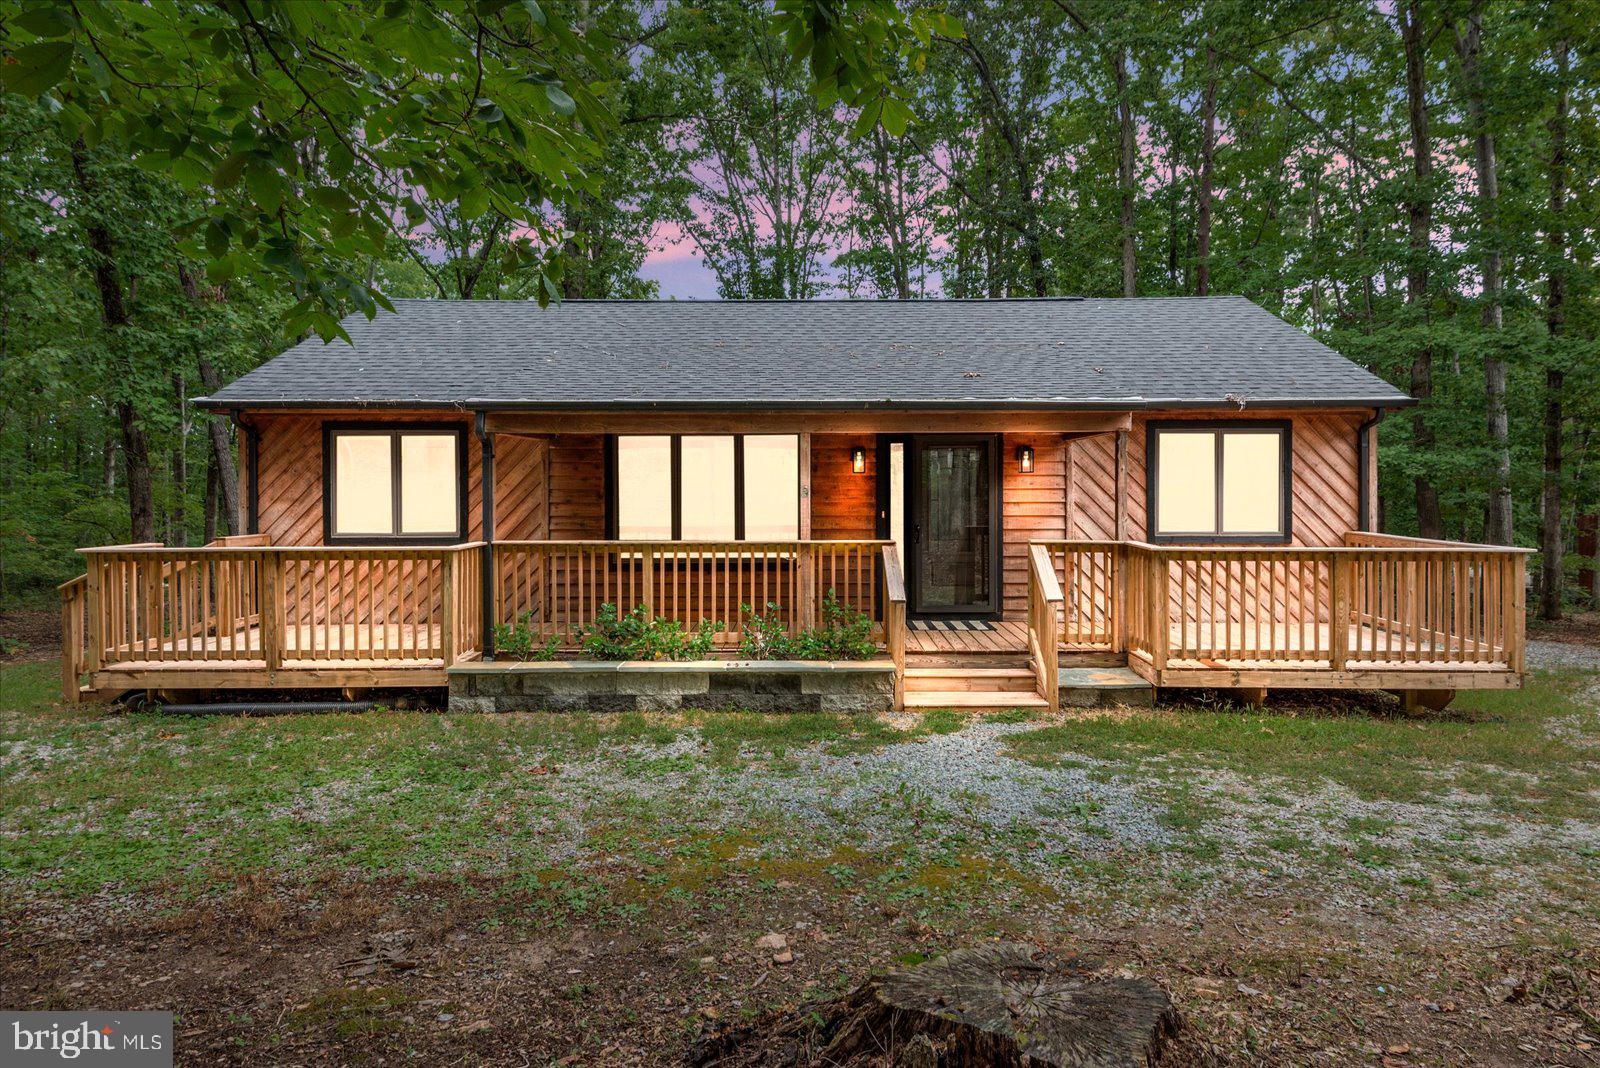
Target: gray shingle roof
{"type": "Point", "coordinates": [1105, 353]}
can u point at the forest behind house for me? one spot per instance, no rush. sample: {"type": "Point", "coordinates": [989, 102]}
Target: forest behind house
{"type": "Point", "coordinates": [1416, 183]}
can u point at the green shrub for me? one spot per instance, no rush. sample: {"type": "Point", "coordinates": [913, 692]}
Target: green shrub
{"type": "Point", "coordinates": [845, 634]}
{"type": "Point", "coordinates": [517, 640]}
{"type": "Point", "coordinates": [765, 636]}
{"type": "Point", "coordinates": [615, 635]}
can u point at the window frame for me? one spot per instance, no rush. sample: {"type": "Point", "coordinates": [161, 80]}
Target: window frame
{"type": "Point", "coordinates": [395, 432]}
{"type": "Point", "coordinates": [676, 466]}
{"type": "Point", "coordinates": [1219, 427]}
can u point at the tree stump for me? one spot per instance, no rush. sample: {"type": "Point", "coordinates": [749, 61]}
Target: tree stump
{"type": "Point", "coordinates": [1002, 1004]}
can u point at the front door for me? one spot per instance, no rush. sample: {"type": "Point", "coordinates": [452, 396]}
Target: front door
{"type": "Point", "coordinates": [954, 550]}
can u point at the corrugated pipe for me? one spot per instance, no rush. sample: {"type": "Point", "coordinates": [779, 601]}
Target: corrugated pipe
{"type": "Point", "coordinates": [254, 708]}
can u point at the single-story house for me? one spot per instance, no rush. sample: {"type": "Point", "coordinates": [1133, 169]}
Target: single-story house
{"type": "Point", "coordinates": [1180, 489]}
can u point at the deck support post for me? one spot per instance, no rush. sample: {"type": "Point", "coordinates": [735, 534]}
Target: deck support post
{"type": "Point", "coordinates": [486, 568]}
{"type": "Point", "coordinates": [269, 609]}
{"type": "Point", "coordinates": [1338, 611]}
{"type": "Point", "coordinates": [805, 614]}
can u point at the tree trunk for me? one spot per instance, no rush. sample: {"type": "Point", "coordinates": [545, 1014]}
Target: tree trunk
{"type": "Point", "coordinates": [1555, 314]}
{"type": "Point", "coordinates": [1125, 166]}
{"type": "Point", "coordinates": [1208, 148]}
{"type": "Point", "coordinates": [1498, 519]}
{"type": "Point", "coordinates": [1002, 1005]}
{"type": "Point", "coordinates": [114, 316]}
{"type": "Point", "coordinates": [210, 510]}
{"type": "Point", "coordinates": [1419, 210]}
{"type": "Point", "coordinates": [222, 454]}
{"type": "Point", "coordinates": [177, 515]}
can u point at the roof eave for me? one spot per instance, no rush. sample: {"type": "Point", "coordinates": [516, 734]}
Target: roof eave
{"type": "Point", "coordinates": [1118, 404]}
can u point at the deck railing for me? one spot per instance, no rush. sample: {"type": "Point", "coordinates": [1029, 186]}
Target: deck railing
{"type": "Point", "coordinates": [555, 588]}
{"type": "Point", "coordinates": [241, 602]}
{"type": "Point", "coordinates": [894, 619]}
{"type": "Point", "coordinates": [1378, 601]}
{"type": "Point", "coordinates": [1045, 603]}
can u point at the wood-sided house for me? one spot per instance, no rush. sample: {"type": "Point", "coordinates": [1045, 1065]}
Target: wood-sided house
{"type": "Point", "coordinates": [1185, 486]}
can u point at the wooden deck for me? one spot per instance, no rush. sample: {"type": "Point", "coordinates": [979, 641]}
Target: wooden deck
{"type": "Point", "coordinates": [1377, 612]}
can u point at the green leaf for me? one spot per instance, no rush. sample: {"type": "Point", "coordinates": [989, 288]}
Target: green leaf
{"type": "Point", "coordinates": [535, 12]}
{"type": "Point", "coordinates": [37, 68]}
{"type": "Point", "coordinates": [216, 239]}
{"type": "Point", "coordinates": [49, 21]}
{"type": "Point", "coordinates": [559, 99]}
{"type": "Point", "coordinates": [896, 116]}
{"type": "Point", "coordinates": [228, 171]}
{"type": "Point", "coordinates": [333, 198]}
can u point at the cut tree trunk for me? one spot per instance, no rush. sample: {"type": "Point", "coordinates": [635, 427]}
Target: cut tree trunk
{"type": "Point", "coordinates": [1001, 1005]}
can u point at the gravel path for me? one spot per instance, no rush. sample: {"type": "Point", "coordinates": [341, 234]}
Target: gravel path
{"type": "Point", "coordinates": [1546, 655]}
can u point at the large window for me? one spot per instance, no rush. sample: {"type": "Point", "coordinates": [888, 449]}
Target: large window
{"type": "Point", "coordinates": [706, 487]}
{"type": "Point", "coordinates": [1221, 482]}
{"type": "Point", "coordinates": [393, 484]}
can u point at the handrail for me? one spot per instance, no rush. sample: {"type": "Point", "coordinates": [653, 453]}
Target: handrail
{"type": "Point", "coordinates": [894, 619]}
{"type": "Point", "coordinates": [1378, 601]}
{"type": "Point", "coordinates": [214, 549]}
{"type": "Point", "coordinates": [1044, 601]}
{"type": "Point", "coordinates": [74, 635]}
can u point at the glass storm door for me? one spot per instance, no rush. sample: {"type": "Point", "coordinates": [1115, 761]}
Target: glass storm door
{"type": "Point", "coordinates": [955, 526]}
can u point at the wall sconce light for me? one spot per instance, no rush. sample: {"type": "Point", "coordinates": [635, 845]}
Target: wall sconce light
{"type": "Point", "coordinates": [858, 460]}
{"type": "Point", "coordinates": [1025, 459]}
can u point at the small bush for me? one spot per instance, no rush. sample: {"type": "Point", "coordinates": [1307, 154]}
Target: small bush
{"type": "Point", "coordinates": [845, 634]}
{"type": "Point", "coordinates": [517, 640]}
{"type": "Point", "coordinates": [633, 635]}
{"type": "Point", "coordinates": [765, 636]}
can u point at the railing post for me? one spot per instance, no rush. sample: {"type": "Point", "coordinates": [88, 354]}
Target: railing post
{"type": "Point", "coordinates": [269, 603]}
{"type": "Point", "coordinates": [1338, 611]}
{"type": "Point", "coordinates": [489, 584]}
{"type": "Point", "coordinates": [649, 567]}
{"type": "Point", "coordinates": [1516, 653]}
{"type": "Point", "coordinates": [806, 613]}
{"type": "Point", "coordinates": [1160, 632]}
{"type": "Point", "coordinates": [94, 591]}
{"type": "Point", "coordinates": [447, 604]}
{"type": "Point", "coordinates": [1119, 598]}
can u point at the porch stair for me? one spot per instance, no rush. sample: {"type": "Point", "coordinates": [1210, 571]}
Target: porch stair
{"type": "Point", "coordinates": [995, 688]}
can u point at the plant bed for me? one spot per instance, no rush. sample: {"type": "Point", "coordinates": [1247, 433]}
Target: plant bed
{"type": "Point", "coordinates": [864, 686]}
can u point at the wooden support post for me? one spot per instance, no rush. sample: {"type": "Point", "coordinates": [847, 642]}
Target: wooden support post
{"type": "Point", "coordinates": [1122, 486]}
{"type": "Point", "coordinates": [649, 570]}
{"type": "Point", "coordinates": [486, 564]}
{"type": "Point", "coordinates": [447, 601]}
{"type": "Point", "coordinates": [95, 593]}
{"type": "Point", "coordinates": [1516, 653]}
{"type": "Point", "coordinates": [1338, 611]}
{"type": "Point", "coordinates": [806, 614]}
{"type": "Point", "coordinates": [1160, 632]}
{"type": "Point", "coordinates": [269, 601]}
{"type": "Point", "coordinates": [1254, 696]}
{"type": "Point", "coordinates": [1119, 598]}
{"type": "Point", "coordinates": [1416, 702]}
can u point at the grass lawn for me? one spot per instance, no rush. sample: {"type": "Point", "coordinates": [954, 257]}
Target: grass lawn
{"type": "Point", "coordinates": [1317, 882]}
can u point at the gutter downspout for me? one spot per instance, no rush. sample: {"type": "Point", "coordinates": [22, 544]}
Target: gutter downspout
{"type": "Point", "coordinates": [1367, 493]}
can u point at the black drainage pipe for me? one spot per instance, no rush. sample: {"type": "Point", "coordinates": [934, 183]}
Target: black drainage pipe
{"type": "Point", "coordinates": [253, 708]}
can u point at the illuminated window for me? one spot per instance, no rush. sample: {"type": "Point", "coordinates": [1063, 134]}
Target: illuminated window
{"type": "Point", "coordinates": [706, 487]}
{"type": "Point", "coordinates": [393, 484]}
{"type": "Point", "coordinates": [1227, 482]}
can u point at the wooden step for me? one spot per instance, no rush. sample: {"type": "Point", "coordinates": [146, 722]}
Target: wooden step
{"type": "Point", "coordinates": [986, 679]}
{"type": "Point", "coordinates": [972, 700]}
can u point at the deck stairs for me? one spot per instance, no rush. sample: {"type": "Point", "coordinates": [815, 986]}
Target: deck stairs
{"type": "Point", "coordinates": [991, 683]}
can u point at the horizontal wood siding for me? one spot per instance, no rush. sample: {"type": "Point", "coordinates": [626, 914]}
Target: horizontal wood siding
{"type": "Point", "coordinates": [844, 505]}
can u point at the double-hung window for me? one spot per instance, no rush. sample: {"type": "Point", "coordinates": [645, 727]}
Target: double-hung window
{"type": "Point", "coordinates": [393, 484]}
{"type": "Point", "coordinates": [1219, 481]}
{"type": "Point", "coordinates": [706, 487]}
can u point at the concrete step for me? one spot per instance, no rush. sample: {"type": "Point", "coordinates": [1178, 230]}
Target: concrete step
{"type": "Point", "coordinates": [985, 679]}
{"type": "Point", "coordinates": [1098, 687]}
{"type": "Point", "coordinates": [983, 700]}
